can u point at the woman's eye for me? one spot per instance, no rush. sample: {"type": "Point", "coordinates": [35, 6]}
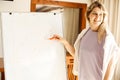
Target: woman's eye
{"type": "Point", "coordinates": [101, 14]}
{"type": "Point", "coordinates": [97, 14]}
{"type": "Point", "coordinates": [94, 13]}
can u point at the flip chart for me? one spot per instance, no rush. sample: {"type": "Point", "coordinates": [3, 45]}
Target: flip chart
{"type": "Point", "coordinates": [28, 53]}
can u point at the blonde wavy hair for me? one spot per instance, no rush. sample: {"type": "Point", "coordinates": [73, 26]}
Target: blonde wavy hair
{"type": "Point", "coordinates": [102, 27]}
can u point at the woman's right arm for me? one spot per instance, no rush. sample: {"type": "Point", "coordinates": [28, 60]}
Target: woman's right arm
{"type": "Point", "coordinates": [67, 45]}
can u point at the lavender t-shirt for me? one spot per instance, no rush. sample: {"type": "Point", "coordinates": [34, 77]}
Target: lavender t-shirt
{"type": "Point", "coordinates": [90, 57]}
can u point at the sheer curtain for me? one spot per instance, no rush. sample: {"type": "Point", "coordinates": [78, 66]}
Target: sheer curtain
{"type": "Point", "coordinates": [113, 7]}
{"type": "Point", "coordinates": [70, 24]}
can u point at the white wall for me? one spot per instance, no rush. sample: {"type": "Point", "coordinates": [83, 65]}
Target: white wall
{"type": "Point", "coordinates": [15, 6]}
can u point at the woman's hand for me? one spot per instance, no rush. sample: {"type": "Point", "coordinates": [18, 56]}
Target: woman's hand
{"type": "Point", "coordinates": [68, 47]}
{"type": "Point", "coordinates": [58, 38]}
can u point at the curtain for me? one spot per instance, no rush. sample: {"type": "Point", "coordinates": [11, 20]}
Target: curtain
{"type": "Point", "coordinates": [113, 7]}
{"type": "Point", "coordinates": [70, 24]}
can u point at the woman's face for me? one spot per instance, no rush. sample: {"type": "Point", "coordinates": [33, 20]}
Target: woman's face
{"type": "Point", "coordinates": [95, 18]}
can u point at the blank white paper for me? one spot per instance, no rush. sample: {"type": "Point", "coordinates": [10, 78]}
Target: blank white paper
{"type": "Point", "coordinates": [28, 53]}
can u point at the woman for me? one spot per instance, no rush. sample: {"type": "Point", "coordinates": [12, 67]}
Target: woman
{"type": "Point", "coordinates": [95, 49]}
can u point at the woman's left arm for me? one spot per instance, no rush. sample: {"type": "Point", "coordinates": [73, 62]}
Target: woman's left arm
{"type": "Point", "coordinates": [109, 69]}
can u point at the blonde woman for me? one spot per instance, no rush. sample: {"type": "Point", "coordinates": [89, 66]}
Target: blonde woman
{"type": "Point", "coordinates": [95, 49]}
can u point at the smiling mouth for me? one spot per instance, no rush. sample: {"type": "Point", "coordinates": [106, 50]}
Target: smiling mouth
{"type": "Point", "coordinates": [97, 22]}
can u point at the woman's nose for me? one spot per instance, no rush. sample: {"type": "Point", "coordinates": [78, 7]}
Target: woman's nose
{"type": "Point", "coordinates": [97, 18]}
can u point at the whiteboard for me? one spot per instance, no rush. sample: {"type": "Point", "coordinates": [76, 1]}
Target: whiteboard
{"type": "Point", "coordinates": [28, 53]}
